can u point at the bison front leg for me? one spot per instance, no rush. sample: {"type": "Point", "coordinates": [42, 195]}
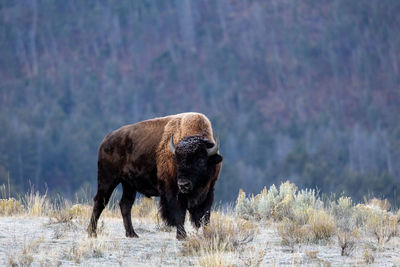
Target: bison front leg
{"type": "Point", "coordinates": [173, 211]}
{"type": "Point", "coordinates": [200, 215]}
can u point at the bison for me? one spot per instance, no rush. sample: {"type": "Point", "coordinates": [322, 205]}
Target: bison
{"type": "Point", "coordinates": [173, 157]}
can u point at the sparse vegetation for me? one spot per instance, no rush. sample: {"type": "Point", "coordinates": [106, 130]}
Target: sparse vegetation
{"type": "Point", "coordinates": [300, 214]}
{"type": "Point", "coordinates": [301, 220]}
{"type": "Point", "coordinates": [25, 257]}
{"type": "Point", "coordinates": [84, 249]}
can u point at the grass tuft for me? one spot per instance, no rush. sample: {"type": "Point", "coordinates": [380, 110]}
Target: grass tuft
{"type": "Point", "coordinates": [37, 204]}
{"type": "Point", "coordinates": [215, 259]}
{"type": "Point", "coordinates": [26, 256]}
{"type": "Point", "coordinates": [145, 208]}
{"type": "Point", "coordinates": [368, 256]}
{"type": "Point", "coordinates": [10, 206]}
{"type": "Point", "coordinates": [223, 233]}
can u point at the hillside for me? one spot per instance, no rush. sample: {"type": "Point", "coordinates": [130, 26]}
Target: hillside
{"type": "Point", "coordinates": [302, 90]}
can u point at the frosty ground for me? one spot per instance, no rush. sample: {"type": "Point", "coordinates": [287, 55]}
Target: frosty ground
{"type": "Point", "coordinates": [41, 242]}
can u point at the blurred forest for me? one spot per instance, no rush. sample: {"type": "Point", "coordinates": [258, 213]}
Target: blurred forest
{"type": "Point", "coordinates": [306, 91]}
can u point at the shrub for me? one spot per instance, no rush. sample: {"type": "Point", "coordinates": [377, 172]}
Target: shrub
{"type": "Point", "coordinates": [267, 201]}
{"type": "Point", "coordinates": [342, 208]}
{"type": "Point", "coordinates": [346, 242]}
{"type": "Point", "coordinates": [276, 204]}
{"type": "Point", "coordinates": [306, 226]}
{"type": "Point", "coordinates": [322, 225]}
{"type": "Point", "coordinates": [361, 214]}
{"type": "Point", "coordinates": [383, 225]}
{"type": "Point", "coordinates": [378, 221]}
{"type": "Point", "coordinates": [243, 206]}
{"type": "Point", "coordinates": [307, 198]}
{"type": "Point", "coordinates": [286, 189]}
{"type": "Point", "coordinates": [293, 232]}
{"type": "Point", "coordinates": [285, 208]}
{"type": "Point", "coordinates": [382, 204]}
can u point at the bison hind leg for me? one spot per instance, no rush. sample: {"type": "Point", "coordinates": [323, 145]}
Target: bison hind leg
{"type": "Point", "coordinates": [101, 199]}
{"type": "Point", "coordinates": [127, 200]}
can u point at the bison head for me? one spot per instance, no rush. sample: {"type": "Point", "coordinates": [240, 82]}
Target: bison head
{"type": "Point", "coordinates": [196, 158]}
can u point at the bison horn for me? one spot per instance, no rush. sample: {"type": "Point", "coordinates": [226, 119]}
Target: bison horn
{"type": "Point", "coordinates": [171, 144]}
{"type": "Point", "coordinates": [213, 150]}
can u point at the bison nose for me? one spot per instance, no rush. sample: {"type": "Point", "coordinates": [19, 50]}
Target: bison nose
{"type": "Point", "coordinates": [184, 186]}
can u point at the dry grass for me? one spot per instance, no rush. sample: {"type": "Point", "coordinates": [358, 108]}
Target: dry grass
{"type": "Point", "coordinates": [216, 259]}
{"type": "Point", "coordinates": [312, 254]}
{"type": "Point", "coordinates": [252, 256]}
{"type": "Point", "coordinates": [25, 257]}
{"type": "Point", "coordinates": [322, 225]}
{"type": "Point", "coordinates": [10, 206]}
{"type": "Point", "coordinates": [145, 208]}
{"type": "Point", "coordinates": [37, 204]}
{"type": "Point", "coordinates": [306, 226]}
{"type": "Point", "coordinates": [87, 248]}
{"type": "Point", "coordinates": [368, 256]}
{"type": "Point", "coordinates": [30, 204]}
{"type": "Point", "coordinates": [69, 212]}
{"type": "Point", "coordinates": [223, 233]}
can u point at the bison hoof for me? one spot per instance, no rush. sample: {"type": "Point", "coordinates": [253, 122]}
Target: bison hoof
{"type": "Point", "coordinates": [131, 234]}
{"type": "Point", "coordinates": [92, 234]}
{"type": "Point", "coordinates": [181, 236]}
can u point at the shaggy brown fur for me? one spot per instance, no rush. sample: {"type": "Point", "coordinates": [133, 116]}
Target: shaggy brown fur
{"type": "Point", "coordinates": [139, 157]}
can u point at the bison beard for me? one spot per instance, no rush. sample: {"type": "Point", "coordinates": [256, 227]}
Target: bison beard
{"type": "Point", "coordinates": [145, 158]}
